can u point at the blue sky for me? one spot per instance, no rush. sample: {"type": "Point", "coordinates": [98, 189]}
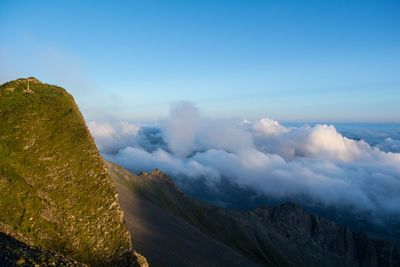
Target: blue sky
{"type": "Point", "coordinates": [294, 61]}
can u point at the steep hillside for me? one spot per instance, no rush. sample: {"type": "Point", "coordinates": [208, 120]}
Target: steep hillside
{"type": "Point", "coordinates": [55, 192]}
{"type": "Point", "coordinates": [273, 236]}
{"type": "Point", "coordinates": [166, 239]}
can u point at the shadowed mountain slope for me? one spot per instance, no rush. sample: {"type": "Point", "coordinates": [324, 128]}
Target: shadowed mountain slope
{"type": "Point", "coordinates": [55, 192]}
{"type": "Point", "coordinates": [165, 239]}
{"type": "Point", "coordinates": [272, 236]}
{"type": "Point", "coordinates": [16, 253]}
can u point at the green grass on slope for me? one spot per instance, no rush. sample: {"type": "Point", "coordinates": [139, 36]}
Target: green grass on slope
{"type": "Point", "coordinates": [54, 188]}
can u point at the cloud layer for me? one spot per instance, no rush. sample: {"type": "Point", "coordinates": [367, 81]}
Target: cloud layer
{"type": "Point", "coordinates": [315, 163]}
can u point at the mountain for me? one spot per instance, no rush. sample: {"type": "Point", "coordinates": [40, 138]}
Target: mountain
{"type": "Point", "coordinates": [227, 194]}
{"type": "Point", "coordinates": [285, 235]}
{"type": "Point", "coordinates": [62, 204]}
{"type": "Point", "coordinates": [56, 196]}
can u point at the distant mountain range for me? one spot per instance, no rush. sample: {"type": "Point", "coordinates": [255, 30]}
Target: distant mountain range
{"type": "Point", "coordinates": [229, 195]}
{"type": "Point", "coordinates": [272, 236]}
{"type": "Point", "coordinates": [62, 204]}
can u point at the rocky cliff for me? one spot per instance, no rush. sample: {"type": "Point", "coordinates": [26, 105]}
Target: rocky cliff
{"type": "Point", "coordinates": [55, 192]}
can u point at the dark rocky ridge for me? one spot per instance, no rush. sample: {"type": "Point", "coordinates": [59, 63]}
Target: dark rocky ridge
{"type": "Point", "coordinates": [273, 236]}
{"type": "Point", "coordinates": [55, 193]}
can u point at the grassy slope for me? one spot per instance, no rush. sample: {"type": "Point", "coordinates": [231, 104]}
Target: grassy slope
{"type": "Point", "coordinates": [54, 187]}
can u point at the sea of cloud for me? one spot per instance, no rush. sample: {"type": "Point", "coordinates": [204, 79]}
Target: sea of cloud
{"type": "Point", "coordinates": [314, 162]}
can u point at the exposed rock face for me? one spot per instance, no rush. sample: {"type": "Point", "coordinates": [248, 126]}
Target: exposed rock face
{"type": "Point", "coordinates": [337, 240]}
{"type": "Point", "coordinates": [274, 236]}
{"type": "Point", "coordinates": [55, 191]}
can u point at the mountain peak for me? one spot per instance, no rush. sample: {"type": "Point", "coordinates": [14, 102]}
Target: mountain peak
{"type": "Point", "coordinates": [161, 176]}
{"type": "Point", "coordinates": [157, 172]}
{"type": "Point", "coordinates": [55, 190]}
{"type": "Point", "coordinates": [25, 85]}
{"type": "Point", "coordinates": [30, 79]}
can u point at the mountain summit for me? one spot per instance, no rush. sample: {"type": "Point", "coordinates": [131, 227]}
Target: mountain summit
{"type": "Point", "coordinates": [55, 192]}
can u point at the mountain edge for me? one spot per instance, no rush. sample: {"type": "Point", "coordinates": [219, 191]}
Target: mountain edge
{"type": "Point", "coordinates": [57, 201]}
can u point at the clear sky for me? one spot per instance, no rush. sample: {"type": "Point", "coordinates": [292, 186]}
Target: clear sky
{"type": "Point", "coordinates": [288, 60]}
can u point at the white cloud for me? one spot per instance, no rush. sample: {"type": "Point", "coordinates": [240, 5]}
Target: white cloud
{"type": "Point", "coordinates": [268, 127]}
{"type": "Point", "coordinates": [180, 130]}
{"type": "Point", "coordinates": [186, 132]}
{"type": "Point", "coordinates": [111, 137]}
{"type": "Point", "coordinates": [99, 130]}
{"type": "Point", "coordinates": [317, 163]}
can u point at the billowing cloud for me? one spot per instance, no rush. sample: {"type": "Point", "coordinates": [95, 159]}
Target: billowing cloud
{"type": "Point", "coordinates": [186, 132]}
{"type": "Point", "coordinates": [268, 127]}
{"type": "Point", "coordinates": [320, 141]}
{"type": "Point", "coordinates": [316, 163]}
{"type": "Point", "coordinates": [390, 145]}
{"type": "Point", "coordinates": [111, 138]}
